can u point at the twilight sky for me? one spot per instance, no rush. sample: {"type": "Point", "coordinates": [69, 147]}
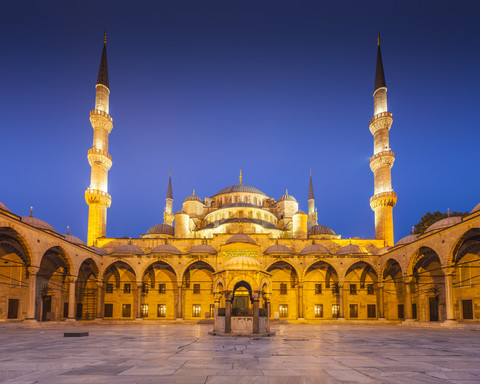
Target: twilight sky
{"type": "Point", "coordinates": [204, 88]}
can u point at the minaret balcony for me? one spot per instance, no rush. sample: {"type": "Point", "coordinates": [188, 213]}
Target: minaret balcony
{"type": "Point", "coordinates": [101, 119]}
{"type": "Point", "coordinates": [96, 196]}
{"type": "Point", "coordinates": [380, 121]}
{"type": "Point", "coordinates": [383, 199]}
{"type": "Point", "coordinates": [98, 156]}
{"type": "Point", "coordinates": [382, 159]}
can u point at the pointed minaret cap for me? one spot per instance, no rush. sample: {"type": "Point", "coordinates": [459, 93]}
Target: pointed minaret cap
{"type": "Point", "coordinates": [169, 189]}
{"type": "Point", "coordinates": [379, 74]}
{"type": "Point", "coordinates": [103, 70]}
{"type": "Point", "coordinates": [310, 188]}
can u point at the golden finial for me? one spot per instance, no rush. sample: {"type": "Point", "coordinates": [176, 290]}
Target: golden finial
{"type": "Point", "coordinates": [31, 211]}
{"type": "Point", "coordinates": [378, 39]}
{"type": "Point", "coordinates": [310, 172]}
{"type": "Point", "coordinates": [68, 229]}
{"type": "Point", "coordinates": [105, 38]}
{"type": "Point", "coordinates": [240, 178]}
{"type": "Point", "coordinates": [194, 192]}
{"type": "Point", "coordinates": [286, 192]}
{"type": "Point", "coordinates": [448, 212]}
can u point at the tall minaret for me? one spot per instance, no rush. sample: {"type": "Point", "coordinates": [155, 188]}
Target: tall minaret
{"type": "Point", "coordinates": [96, 195]}
{"type": "Point", "coordinates": [168, 214]}
{"type": "Point", "coordinates": [384, 198]}
{"type": "Point", "coordinates": [312, 213]}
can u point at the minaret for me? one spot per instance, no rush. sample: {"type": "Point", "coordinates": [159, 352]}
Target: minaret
{"type": "Point", "coordinates": [312, 214]}
{"type": "Point", "coordinates": [168, 214]}
{"type": "Point", "coordinates": [384, 198]}
{"type": "Point", "coordinates": [96, 195]}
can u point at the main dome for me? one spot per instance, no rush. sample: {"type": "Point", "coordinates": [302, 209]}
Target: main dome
{"type": "Point", "coordinates": [239, 188]}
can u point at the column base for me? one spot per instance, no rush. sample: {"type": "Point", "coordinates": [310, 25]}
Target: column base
{"type": "Point", "coordinates": [30, 321]}
{"type": "Point", "coordinates": [450, 321]}
{"type": "Point", "coordinates": [409, 321]}
{"type": "Point", "coordinates": [382, 319]}
{"type": "Point", "coordinates": [341, 319]}
{"type": "Point", "coordinates": [138, 318]}
{"type": "Point", "coordinates": [98, 319]}
{"type": "Point", "coordinates": [71, 320]}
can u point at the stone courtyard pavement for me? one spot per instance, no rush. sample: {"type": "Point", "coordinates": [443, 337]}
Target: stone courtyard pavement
{"type": "Point", "coordinates": [153, 353]}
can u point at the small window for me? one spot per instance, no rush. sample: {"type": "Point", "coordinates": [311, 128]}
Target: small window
{"type": "Point", "coordinates": [335, 310]}
{"type": "Point", "coordinates": [12, 309]}
{"type": "Point", "coordinates": [161, 310]}
{"type": "Point", "coordinates": [144, 310]}
{"type": "Point", "coordinates": [371, 311]}
{"type": "Point", "coordinates": [127, 289]}
{"type": "Point", "coordinates": [108, 310]}
{"type": "Point", "coordinates": [318, 310]}
{"type": "Point", "coordinates": [353, 311]}
{"type": "Point", "coordinates": [126, 310]}
{"type": "Point", "coordinates": [414, 311]}
{"type": "Point", "coordinates": [283, 289]}
{"type": "Point", "coordinates": [335, 289]}
{"type": "Point", "coordinates": [283, 309]}
{"type": "Point", "coordinates": [196, 289]}
{"type": "Point", "coordinates": [465, 275]}
{"type": "Point", "coordinates": [353, 289]}
{"type": "Point", "coordinates": [161, 288]}
{"type": "Point", "coordinates": [196, 310]}
{"type": "Point", "coordinates": [109, 288]}
{"type": "Point", "coordinates": [318, 289]}
{"type": "Point", "coordinates": [370, 289]}
{"type": "Point", "coordinates": [401, 314]}
{"type": "Point", "coordinates": [144, 288]}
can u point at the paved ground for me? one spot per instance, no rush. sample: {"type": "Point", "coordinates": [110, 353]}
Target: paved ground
{"type": "Point", "coordinates": [135, 353]}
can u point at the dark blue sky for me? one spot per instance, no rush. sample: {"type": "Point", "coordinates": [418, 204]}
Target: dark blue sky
{"type": "Point", "coordinates": [204, 88]}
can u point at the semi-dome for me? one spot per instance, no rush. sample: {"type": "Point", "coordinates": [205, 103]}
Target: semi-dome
{"type": "Point", "coordinates": [278, 249]}
{"type": "Point", "coordinates": [407, 239]}
{"type": "Point", "coordinates": [203, 248]}
{"type": "Point", "coordinates": [383, 250]}
{"type": "Point", "coordinates": [240, 238]}
{"type": "Point", "coordinates": [444, 223]}
{"type": "Point", "coordinates": [351, 248]}
{"type": "Point", "coordinates": [161, 229]}
{"type": "Point", "coordinates": [235, 205]}
{"type": "Point", "coordinates": [128, 248]}
{"type": "Point", "coordinates": [37, 223]}
{"type": "Point", "coordinates": [74, 239]}
{"type": "Point", "coordinates": [243, 263]}
{"type": "Point", "coordinates": [476, 209]}
{"type": "Point", "coordinates": [320, 230]}
{"type": "Point", "coordinates": [4, 207]}
{"type": "Point", "coordinates": [166, 248]}
{"type": "Point", "coordinates": [97, 250]}
{"type": "Point", "coordinates": [286, 197]}
{"type": "Point", "coordinates": [314, 248]}
{"type": "Point", "coordinates": [239, 188]}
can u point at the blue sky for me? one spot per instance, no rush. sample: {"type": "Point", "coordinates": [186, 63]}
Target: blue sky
{"type": "Point", "coordinates": [206, 88]}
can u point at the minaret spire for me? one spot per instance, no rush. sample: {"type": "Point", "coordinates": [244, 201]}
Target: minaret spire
{"type": "Point", "coordinates": [384, 198]}
{"type": "Point", "coordinates": [312, 215]}
{"type": "Point", "coordinates": [100, 160]}
{"type": "Point", "coordinates": [168, 214]}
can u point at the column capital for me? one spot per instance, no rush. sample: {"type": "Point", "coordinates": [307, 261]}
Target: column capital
{"type": "Point", "coordinates": [71, 279]}
{"type": "Point", "coordinates": [32, 270]}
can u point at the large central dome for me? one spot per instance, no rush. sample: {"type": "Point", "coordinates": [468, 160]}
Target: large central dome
{"type": "Point", "coordinates": [239, 188]}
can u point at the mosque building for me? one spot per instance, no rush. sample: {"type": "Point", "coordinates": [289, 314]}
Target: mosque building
{"type": "Point", "coordinates": [239, 254]}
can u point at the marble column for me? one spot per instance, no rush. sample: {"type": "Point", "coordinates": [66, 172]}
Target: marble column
{"type": "Point", "coordinates": [32, 288]}
{"type": "Point", "coordinates": [381, 302]}
{"type": "Point", "coordinates": [300, 301]}
{"type": "Point", "coordinates": [71, 299]}
{"type": "Point", "coordinates": [408, 302]}
{"type": "Point", "coordinates": [100, 299]}
{"type": "Point", "coordinates": [138, 306]}
{"type": "Point", "coordinates": [256, 310]}
{"type": "Point", "coordinates": [215, 313]}
{"type": "Point", "coordinates": [228, 314]}
{"type": "Point", "coordinates": [341, 309]}
{"type": "Point", "coordinates": [268, 316]}
{"type": "Point", "coordinates": [179, 303]}
{"type": "Point", "coordinates": [449, 297]}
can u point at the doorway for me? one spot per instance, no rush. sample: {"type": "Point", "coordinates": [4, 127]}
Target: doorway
{"type": "Point", "coordinates": [433, 304]}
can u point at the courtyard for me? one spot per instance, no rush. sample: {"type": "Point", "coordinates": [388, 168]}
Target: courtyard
{"type": "Point", "coordinates": [186, 353]}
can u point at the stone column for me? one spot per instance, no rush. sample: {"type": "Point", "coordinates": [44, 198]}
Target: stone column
{"type": "Point", "coordinates": [381, 303]}
{"type": "Point", "coordinates": [215, 312]}
{"type": "Point", "coordinates": [138, 306]}
{"type": "Point", "coordinates": [268, 315]}
{"type": "Point", "coordinates": [256, 313]}
{"type": "Point", "coordinates": [408, 302]}
{"type": "Point", "coordinates": [341, 309]}
{"type": "Point", "coordinates": [100, 300]}
{"type": "Point", "coordinates": [300, 301]}
{"type": "Point", "coordinates": [32, 288]}
{"type": "Point", "coordinates": [449, 297]}
{"type": "Point", "coordinates": [179, 303]}
{"type": "Point", "coordinates": [71, 299]}
{"type": "Point", "coordinates": [228, 314]}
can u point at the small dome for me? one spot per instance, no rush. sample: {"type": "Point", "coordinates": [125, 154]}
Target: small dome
{"type": "Point", "coordinates": [314, 248]}
{"type": "Point", "coordinates": [166, 248]}
{"type": "Point", "coordinates": [444, 223]}
{"type": "Point", "coordinates": [128, 248]}
{"type": "Point", "coordinates": [286, 197]}
{"type": "Point", "coordinates": [203, 248]}
{"type": "Point", "coordinates": [239, 188]}
{"type": "Point", "coordinates": [74, 239]}
{"type": "Point", "coordinates": [476, 209]}
{"type": "Point", "coordinates": [320, 230]}
{"type": "Point", "coordinates": [351, 248]}
{"type": "Point", "coordinates": [4, 207]}
{"type": "Point", "coordinates": [240, 238]}
{"type": "Point", "coordinates": [37, 223]}
{"type": "Point", "coordinates": [300, 212]}
{"type": "Point", "coordinates": [97, 250]}
{"type": "Point", "coordinates": [278, 249]}
{"type": "Point", "coordinates": [383, 250]}
{"type": "Point", "coordinates": [407, 239]}
{"type": "Point", "coordinates": [161, 229]}
{"type": "Point", "coordinates": [243, 263]}
{"type": "Point", "coordinates": [181, 212]}
{"type": "Point", "coordinates": [193, 198]}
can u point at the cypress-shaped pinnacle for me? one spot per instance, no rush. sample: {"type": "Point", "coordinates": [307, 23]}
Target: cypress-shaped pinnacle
{"type": "Point", "coordinates": [103, 70]}
{"type": "Point", "coordinates": [379, 74]}
{"type": "Point", "coordinates": [310, 188]}
{"type": "Point", "coordinates": [169, 189]}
